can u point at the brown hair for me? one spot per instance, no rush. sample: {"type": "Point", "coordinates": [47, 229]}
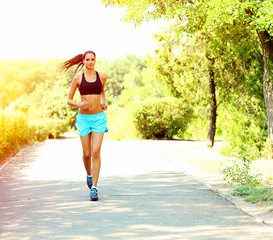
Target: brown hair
{"type": "Point", "coordinates": [77, 60]}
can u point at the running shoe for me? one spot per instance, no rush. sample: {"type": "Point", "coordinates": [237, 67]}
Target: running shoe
{"type": "Point", "coordinates": [89, 182]}
{"type": "Point", "coordinates": [93, 194]}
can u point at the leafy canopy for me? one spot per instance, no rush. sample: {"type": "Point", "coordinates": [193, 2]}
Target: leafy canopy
{"type": "Point", "coordinates": [200, 13]}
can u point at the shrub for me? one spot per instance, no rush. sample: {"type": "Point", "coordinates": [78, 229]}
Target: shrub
{"type": "Point", "coordinates": [245, 132]}
{"type": "Point", "coordinates": [161, 118]}
{"type": "Point", "coordinates": [19, 105]}
{"type": "Point", "coordinates": [239, 172]}
{"type": "Point", "coordinates": [249, 185]}
{"type": "Point", "coordinates": [120, 123]}
{"type": "Point", "coordinates": [55, 106]}
{"type": "Point", "coordinates": [48, 128]}
{"type": "Point", "coordinates": [15, 131]}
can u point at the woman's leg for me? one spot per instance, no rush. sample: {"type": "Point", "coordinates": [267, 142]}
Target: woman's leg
{"type": "Point", "coordinates": [96, 139]}
{"type": "Point", "coordinates": [87, 152]}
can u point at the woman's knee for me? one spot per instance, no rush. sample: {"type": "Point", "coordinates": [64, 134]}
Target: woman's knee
{"type": "Point", "coordinates": [87, 156]}
{"type": "Point", "coordinates": [96, 153]}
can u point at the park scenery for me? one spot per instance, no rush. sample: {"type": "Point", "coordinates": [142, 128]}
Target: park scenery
{"type": "Point", "coordinates": [210, 79]}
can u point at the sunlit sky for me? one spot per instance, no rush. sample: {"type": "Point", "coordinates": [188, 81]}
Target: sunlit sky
{"type": "Point", "coordinates": [41, 29]}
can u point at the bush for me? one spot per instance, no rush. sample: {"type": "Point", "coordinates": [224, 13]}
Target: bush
{"type": "Point", "coordinates": [55, 105]}
{"type": "Point", "coordinates": [48, 128]}
{"type": "Point", "coordinates": [15, 131]}
{"type": "Point", "coordinates": [245, 132]}
{"type": "Point", "coordinates": [19, 105]}
{"type": "Point", "coordinates": [120, 123]}
{"type": "Point", "coordinates": [249, 185]}
{"type": "Point", "coordinates": [239, 172]}
{"type": "Point", "coordinates": [161, 118]}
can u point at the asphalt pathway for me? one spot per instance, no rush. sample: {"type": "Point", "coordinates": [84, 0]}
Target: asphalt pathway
{"type": "Point", "coordinates": [144, 193]}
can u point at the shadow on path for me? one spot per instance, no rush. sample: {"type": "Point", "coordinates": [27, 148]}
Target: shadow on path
{"type": "Point", "coordinates": [158, 205]}
{"type": "Point", "coordinates": [151, 205]}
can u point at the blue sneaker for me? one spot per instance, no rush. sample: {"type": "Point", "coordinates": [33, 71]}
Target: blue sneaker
{"type": "Point", "coordinates": [89, 182]}
{"type": "Point", "coordinates": [93, 194]}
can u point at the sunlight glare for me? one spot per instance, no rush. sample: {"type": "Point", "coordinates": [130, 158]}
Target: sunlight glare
{"type": "Point", "coordinates": [64, 28]}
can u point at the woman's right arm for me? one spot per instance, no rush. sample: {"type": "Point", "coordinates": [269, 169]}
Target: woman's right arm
{"type": "Point", "coordinates": [74, 85]}
{"type": "Point", "coordinates": [73, 88]}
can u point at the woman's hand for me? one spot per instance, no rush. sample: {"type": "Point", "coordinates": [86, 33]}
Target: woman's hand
{"type": "Point", "coordinates": [104, 106]}
{"type": "Point", "coordinates": [84, 105]}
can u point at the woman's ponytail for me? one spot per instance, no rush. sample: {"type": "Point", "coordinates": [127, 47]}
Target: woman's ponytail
{"type": "Point", "coordinates": [77, 60]}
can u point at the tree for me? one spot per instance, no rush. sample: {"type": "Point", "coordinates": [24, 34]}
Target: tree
{"type": "Point", "coordinates": [17, 78]}
{"type": "Point", "coordinates": [191, 69]}
{"type": "Point", "coordinates": [214, 16]}
{"type": "Point", "coordinates": [122, 73]}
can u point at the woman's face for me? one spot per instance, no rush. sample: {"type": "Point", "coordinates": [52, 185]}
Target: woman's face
{"type": "Point", "coordinates": [89, 61]}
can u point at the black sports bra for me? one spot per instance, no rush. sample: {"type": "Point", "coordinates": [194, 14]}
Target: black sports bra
{"type": "Point", "coordinates": [87, 88]}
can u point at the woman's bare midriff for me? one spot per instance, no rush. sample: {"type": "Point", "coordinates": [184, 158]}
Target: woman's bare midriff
{"type": "Point", "coordinates": [94, 104]}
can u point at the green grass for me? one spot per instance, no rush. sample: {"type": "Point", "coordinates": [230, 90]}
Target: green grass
{"type": "Point", "coordinates": [256, 175]}
{"type": "Point", "coordinates": [254, 194]}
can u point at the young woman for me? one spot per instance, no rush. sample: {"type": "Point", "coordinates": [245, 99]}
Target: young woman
{"type": "Point", "coordinates": [91, 120]}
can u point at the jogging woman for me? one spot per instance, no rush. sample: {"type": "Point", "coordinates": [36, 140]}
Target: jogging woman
{"type": "Point", "coordinates": [91, 120]}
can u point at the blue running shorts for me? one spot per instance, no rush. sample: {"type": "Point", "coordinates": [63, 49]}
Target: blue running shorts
{"type": "Point", "coordinates": [86, 124]}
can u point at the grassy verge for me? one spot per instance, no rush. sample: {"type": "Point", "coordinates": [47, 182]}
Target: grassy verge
{"type": "Point", "coordinates": [253, 186]}
{"type": "Point", "coordinates": [251, 180]}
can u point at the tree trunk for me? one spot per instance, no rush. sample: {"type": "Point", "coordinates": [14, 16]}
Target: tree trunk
{"type": "Point", "coordinates": [213, 106]}
{"type": "Point", "coordinates": [267, 47]}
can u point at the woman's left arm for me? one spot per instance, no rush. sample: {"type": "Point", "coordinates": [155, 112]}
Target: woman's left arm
{"type": "Point", "coordinates": [103, 79]}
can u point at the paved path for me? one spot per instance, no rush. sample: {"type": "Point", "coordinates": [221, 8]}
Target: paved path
{"type": "Point", "coordinates": [143, 193]}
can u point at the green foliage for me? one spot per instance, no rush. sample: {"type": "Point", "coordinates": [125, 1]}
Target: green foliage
{"type": "Point", "coordinates": [48, 128]}
{"type": "Point", "coordinates": [42, 93]}
{"type": "Point", "coordinates": [161, 118]}
{"type": "Point", "coordinates": [121, 74]}
{"type": "Point", "coordinates": [18, 130]}
{"type": "Point", "coordinates": [210, 14]}
{"type": "Point", "coordinates": [239, 172]}
{"type": "Point", "coordinates": [15, 131]}
{"type": "Point", "coordinates": [184, 67]}
{"type": "Point", "coordinates": [49, 98]}
{"type": "Point", "coordinates": [197, 128]}
{"type": "Point", "coordinates": [143, 10]}
{"type": "Point", "coordinates": [19, 105]}
{"type": "Point", "coordinates": [23, 77]}
{"type": "Point", "coordinates": [222, 31]}
{"type": "Point", "coordinates": [245, 132]}
{"type": "Point", "coordinates": [120, 123]}
{"type": "Point", "coordinates": [55, 104]}
{"type": "Point", "coordinates": [18, 78]}
{"type": "Point", "coordinates": [257, 14]}
{"type": "Point", "coordinates": [250, 184]}
{"type": "Point", "coordinates": [254, 194]}
{"type": "Point", "coordinates": [181, 68]}
{"type": "Point", "coordinates": [142, 89]}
